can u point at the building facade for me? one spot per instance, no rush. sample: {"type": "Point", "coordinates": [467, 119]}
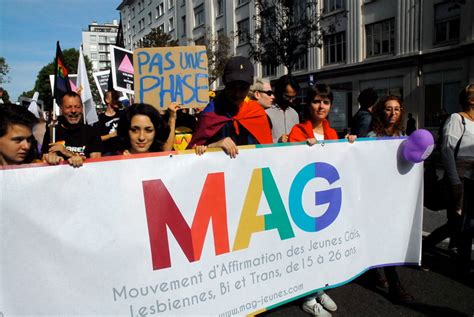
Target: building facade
{"type": "Point", "coordinates": [96, 41]}
{"type": "Point", "coordinates": [421, 50]}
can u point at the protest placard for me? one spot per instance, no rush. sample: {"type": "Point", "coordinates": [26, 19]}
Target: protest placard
{"type": "Point", "coordinates": [172, 74]}
{"type": "Point", "coordinates": [122, 69]}
{"type": "Point", "coordinates": [101, 80]}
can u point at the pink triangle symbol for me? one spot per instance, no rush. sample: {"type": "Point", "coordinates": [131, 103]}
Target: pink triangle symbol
{"type": "Point", "coordinates": [73, 87]}
{"type": "Point", "coordinates": [126, 66]}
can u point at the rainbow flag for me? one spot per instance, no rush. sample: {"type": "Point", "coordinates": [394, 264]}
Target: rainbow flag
{"type": "Point", "coordinates": [61, 79]}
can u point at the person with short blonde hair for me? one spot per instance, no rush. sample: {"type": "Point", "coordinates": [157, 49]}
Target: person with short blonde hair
{"type": "Point", "coordinates": [261, 91]}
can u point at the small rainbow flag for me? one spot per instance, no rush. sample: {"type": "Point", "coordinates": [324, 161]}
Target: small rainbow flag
{"type": "Point", "coordinates": [61, 79]}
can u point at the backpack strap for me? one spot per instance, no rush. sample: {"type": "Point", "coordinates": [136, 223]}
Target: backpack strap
{"type": "Point", "coordinates": [456, 149]}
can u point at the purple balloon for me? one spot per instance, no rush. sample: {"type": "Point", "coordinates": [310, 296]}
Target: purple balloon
{"type": "Point", "coordinates": [418, 146]}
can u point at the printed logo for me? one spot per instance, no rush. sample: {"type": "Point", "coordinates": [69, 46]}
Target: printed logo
{"type": "Point", "coordinates": [163, 213]}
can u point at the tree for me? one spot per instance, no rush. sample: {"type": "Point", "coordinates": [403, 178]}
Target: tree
{"type": "Point", "coordinates": [4, 70]}
{"type": "Point", "coordinates": [286, 29]}
{"type": "Point", "coordinates": [157, 38]}
{"type": "Point", "coordinates": [5, 96]}
{"type": "Point", "coordinates": [71, 58]}
{"type": "Point", "coordinates": [218, 54]}
{"type": "Point", "coordinates": [28, 94]}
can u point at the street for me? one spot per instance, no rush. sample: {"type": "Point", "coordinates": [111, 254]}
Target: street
{"type": "Point", "coordinates": [437, 292]}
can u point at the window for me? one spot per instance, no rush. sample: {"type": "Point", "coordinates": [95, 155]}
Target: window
{"type": "Point", "coordinates": [335, 48]}
{"type": "Point", "coordinates": [171, 24]}
{"type": "Point", "coordinates": [102, 57]}
{"type": "Point", "coordinates": [160, 10]}
{"type": "Point", "coordinates": [301, 63]}
{"type": "Point", "coordinates": [199, 16]}
{"type": "Point", "coordinates": [333, 5]}
{"type": "Point", "coordinates": [170, 4]}
{"type": "Point", "coordinates": [220, 7]}
{"type": "Point", "coordinates": [439, 100]}
{"type": "Point", "coordinates": [183, 23]}
{"type": "Point", "coordinates": [133, 12]}
{"type": "Point", "coordinates": [149, 18]}
{"type": "Point", "coordinates": [94, 56]}
{"type": "Point", "coordinates": [93, 47]}
{"type": "Point", "coordinates": [161, 28]}
{"type": "Point", "coordinates": [447, 21]}
{"type": "Point", "coordinates": [139, 6]}
{"type": "Point", "coordinates": [268, 70]}
{"type": "Point", "coordinates": [93, 39]}
{"type": "Point", "coordinates": [200, 41]}
{"type": "Point", "coordinates": [242, 2]}
{"type": "Point", "coordinates": [112, 39]}
{"type": "Point", "coordinates": [243, 31]}
{"type": "Point", "coordinates": [380, 38]}
{"type": "Point", "coordinates": [102, 39]}
{"type": "Point", "coordinates": [299, 13]}
{"type": "Point", "coordinates": [102, 48]}
{"type": "Point", "coordinates": [268, 20]}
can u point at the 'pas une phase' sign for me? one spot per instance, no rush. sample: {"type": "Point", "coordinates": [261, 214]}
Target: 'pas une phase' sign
{"type": "Point", "coordinates": [171, 74]}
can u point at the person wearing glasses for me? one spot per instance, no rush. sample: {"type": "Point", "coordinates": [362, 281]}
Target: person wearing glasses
{"type": "Point", "coordinates": [282, 114]}
{"type": "Point", "coordinates": [261, 91]}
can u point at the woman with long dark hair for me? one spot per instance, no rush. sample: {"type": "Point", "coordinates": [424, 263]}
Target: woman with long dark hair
{"type": "Point", "coordinates": [387, 117]}
{"type": "Point", "coordinates": [142, 129]}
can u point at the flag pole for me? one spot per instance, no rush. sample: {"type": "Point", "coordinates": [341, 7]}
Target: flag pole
{"type": "Point", "coordinates": [53, 122]}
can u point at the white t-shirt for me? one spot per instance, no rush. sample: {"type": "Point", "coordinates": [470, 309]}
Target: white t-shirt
{"type": "Point", "coordinates": [318, 137]}
{"type": "Point", "coordinates": [452, 131]}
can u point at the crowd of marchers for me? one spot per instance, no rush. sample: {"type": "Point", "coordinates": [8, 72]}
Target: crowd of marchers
{"type": "Point", "coordinates": [248, 111]}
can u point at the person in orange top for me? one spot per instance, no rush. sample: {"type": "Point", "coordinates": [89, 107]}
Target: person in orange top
{"type": "Point", "coordinates": [316, 127]}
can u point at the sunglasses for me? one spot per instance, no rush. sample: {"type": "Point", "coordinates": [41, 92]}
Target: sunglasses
{"type": "Point", "coordinates": [267, 92]}
{"type": "Point", "coordinates": [289, 98]}
{"type": "Point", "coordinates": [326, 102]}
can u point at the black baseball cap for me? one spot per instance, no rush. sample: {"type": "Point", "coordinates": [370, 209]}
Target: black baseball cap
{"type": "Point", "coordinates": [238, 68]}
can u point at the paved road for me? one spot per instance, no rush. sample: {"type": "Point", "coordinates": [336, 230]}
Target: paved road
{"type": "Point", "coordinates": [437, 292]}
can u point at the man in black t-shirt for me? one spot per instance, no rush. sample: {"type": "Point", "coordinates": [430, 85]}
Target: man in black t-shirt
{"type": "Point", "coordinates": [108, 123]}
{"type": "Point", "coordinates": [74, 140]}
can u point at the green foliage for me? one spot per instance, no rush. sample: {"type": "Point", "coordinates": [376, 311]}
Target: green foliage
{"type": "Point", "coordinates": [4, 70]}
{"type": "Point", "coordinates": [71, 58]}
{"type": "Point", "coordinates": [218, 54]}
{"type": "Point", "coordinates": [286, 29]}
{"type": "Point", "coordinates": [5, 96]}
{"type": "Point", "coordinates": [157, 38]}
{"type": "Point", "coordinates": [28, 94]}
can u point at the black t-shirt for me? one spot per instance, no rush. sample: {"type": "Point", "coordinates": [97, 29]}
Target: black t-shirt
{"type": "Point", "coordinates": [81, 138]}
{"type": "Point", "coordinates": [106, 126]}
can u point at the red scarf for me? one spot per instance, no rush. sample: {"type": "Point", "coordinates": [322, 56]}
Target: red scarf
{"type": "Point", "coordinates": [251, 116]}
{"type": "Point", "coordinates": [303, 131]}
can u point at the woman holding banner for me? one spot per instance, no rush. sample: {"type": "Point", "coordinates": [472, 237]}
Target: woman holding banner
{"type": "Point", "coordinates": [142, 129]}
{"type": "Point", "coordinates": [316, 128]}
{"type": "Point", "coordinates": [387, 122]}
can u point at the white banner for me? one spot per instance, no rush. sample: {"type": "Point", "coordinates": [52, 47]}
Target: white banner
{"type": "Point", "coordinates": [139, 235]}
